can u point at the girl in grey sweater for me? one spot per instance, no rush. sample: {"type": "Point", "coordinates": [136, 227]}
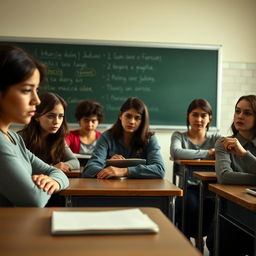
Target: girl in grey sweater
{"type": "Point", "coordinates": [236, 164]}
{"type": "Point", "coordinates": [195, 143]}
{"type": "Point", "coordinates": [25, 180]}
{"type": "Point", "coordinates": [236, 155]}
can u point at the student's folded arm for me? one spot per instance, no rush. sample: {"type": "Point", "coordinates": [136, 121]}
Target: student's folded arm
{"type": "Point", "coordinates": [98, 160]}
{"type": "Point", "coordinates": [16, 184]}
{"type": "Point", "coordinates": [225, 173]}
{"type": "Point", "coordinates": [177, 151]}
{"type": "Point", "coordinates": [154, 167]}
{"type": "Point", "coordinates": [40, 167]}
{"type": "Point", "coordinates": [71, 159]}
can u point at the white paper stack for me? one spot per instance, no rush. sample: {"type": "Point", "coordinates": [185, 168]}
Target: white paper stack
{"type": "Point", "coordinates": [82, 156]}
{"type": "Point", "coordinates": [102, 222]}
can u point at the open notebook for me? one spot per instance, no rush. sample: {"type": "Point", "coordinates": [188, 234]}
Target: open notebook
{"type": "Point", "coordinates": [102, 222]}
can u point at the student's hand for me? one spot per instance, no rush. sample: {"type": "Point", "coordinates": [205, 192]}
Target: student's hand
{"type": "Point", "coordinates": [233, 146]}
{"type": "Point", "coordinates": [46, 183]}
{"type": "Point", "coordinates": [111, 171]}
{"type": "Point", "coordinates": [116, 156]}
{"type": "Point", "coordinates": [211, 152]}
{"type": "Point", "coordinates": [63, 166]}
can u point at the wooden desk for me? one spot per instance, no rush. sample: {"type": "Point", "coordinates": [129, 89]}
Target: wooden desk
{"type": "Point", "coordinates": [185, 169]}
{"type": "Point", "coordinates": [122, 192]}
{"type": "Point", "coordinates": [205, 178]}
{"type": "Point", "coordinates": [235, 206]}
{"type": "Point", "coordinates": [196, 162]}
{"type": "Point", "coordinates": [26, 232]}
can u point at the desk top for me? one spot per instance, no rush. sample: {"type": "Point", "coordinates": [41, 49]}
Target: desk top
{"type": "Point", "coordinates": [205, 176]}
{"type": "Point", "coordinates": [27, 232]}
{"type": "Point", "coordinates": [195, 162]}
{"type": "Point", "coordinates": [121, 187]}
{"type": "Point", "coordinates": [235, 194]}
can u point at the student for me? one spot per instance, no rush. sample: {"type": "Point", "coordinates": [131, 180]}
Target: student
{"type": "Point", "coordinates": [25, 180]}
{"type": "Point", "coordinates": [236, 164]}
{"type": "Point", "coordinates": [195, 143]}
{"type": "Point", "coordinates": [129, 137]}
{"type": "Point", "coordinates": [236, 155]}
{"type": "Point", "coordinates": [45, 134]}
{"type": "Point", "coordinates": [89, 114]}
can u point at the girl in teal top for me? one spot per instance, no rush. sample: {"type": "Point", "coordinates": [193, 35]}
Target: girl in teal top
{"type": "Point", "coordinates": [129, 137]}
{"type": "Point", "coordinates": [25, 180]}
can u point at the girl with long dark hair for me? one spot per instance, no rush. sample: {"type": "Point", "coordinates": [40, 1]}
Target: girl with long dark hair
{"type": "Point", "coordinates": [129, 137]}
{"type": "Point", "coordinates": [45, 134]}
{"type": "Point", "coordinates": [25, 180]}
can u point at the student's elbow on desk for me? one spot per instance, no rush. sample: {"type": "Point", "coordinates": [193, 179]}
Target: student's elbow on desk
{"type": "Point", "coordinates": [225, 177]}
{"type": "Point", "coordinates": [220, 177]}
{"type": "Point", "coordinates": [161, 172]}
{"type": "Point", "coordinates": [90, 172]}
{"type": "Point", "coordinates": [152, 172]}
{"type": "Point", "coordinates": [62, 179]}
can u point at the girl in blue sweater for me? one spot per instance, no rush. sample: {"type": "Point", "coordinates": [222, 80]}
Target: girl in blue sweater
{"type": "Point", "coordinates": [129, 137]}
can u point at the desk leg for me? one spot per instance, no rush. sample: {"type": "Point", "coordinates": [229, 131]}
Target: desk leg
{"type": "Point", "coordinates": [68, 201]}
{"type": "Point", "coordinates": [171, 211]}
{"type": "Point", "coordinates": [201, 214]}
{"type": "Point", "coordinates": [184, 201]}
{"type": "Point", "coordinates": [254, 244]}
{"type": "Point", "coordinates": [217, 227]}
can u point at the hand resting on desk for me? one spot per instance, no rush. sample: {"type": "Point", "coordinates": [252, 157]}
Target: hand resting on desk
{"type": "Point", "coordinates": [117, 166]}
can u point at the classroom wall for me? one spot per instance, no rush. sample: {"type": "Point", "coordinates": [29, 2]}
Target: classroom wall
{"type": "Point", "coordinates": [230, 23]}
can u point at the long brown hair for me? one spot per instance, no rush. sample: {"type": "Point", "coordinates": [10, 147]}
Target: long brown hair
{"type": "Point", "coordinates": [142, 135]}
{"type": "Point", "coordinates": [52, 150]}
{"type": "Point", "coordinates": [252, 100]}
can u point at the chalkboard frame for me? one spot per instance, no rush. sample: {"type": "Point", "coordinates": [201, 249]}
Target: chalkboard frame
{"type": "Point", "coordinates": [217, 48]}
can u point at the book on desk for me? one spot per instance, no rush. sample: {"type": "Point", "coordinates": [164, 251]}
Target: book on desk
{"type": "Point", "coordinates": [83, 158]}
{"type": "Point", "coordinates": [131, 221]}
{"type": "Point", "coordinates": [123, 163]}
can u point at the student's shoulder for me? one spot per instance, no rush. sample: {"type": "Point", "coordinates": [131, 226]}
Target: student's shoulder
{"type": "Point", "coordinates": [16, 135]}
{"type": "Point", "coordinates": [178, 134]}
{"type": "Point", "coordinates": [214, 136]}
{"type": "Point", "coordinates": [107, 135]}
{"type": "Point", "coordinates": [9, 147]}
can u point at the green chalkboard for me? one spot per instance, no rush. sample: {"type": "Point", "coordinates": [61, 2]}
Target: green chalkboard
{"type": "Point", "coordinates": [166, 78]}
